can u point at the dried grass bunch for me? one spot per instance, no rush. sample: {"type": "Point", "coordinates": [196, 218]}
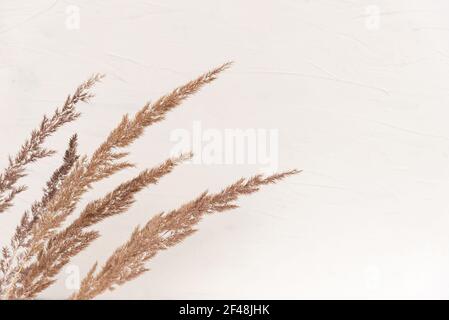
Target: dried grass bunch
{"type": "Point", "coordinates": [44, 242]}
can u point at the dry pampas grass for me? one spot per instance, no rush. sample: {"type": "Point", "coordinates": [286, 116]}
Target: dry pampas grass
{"type": "Point", "coordinates": [32, 149]}
{"type": "Point", "coordinates": [44, 242]}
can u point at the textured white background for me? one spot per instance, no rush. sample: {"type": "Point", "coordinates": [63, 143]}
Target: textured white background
{"type": "Point", "coordinates": [364, 111]}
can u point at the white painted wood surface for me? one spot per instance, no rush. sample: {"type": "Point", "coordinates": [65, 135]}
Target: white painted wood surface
{"type": "Point", "coordinates": [357, 89]}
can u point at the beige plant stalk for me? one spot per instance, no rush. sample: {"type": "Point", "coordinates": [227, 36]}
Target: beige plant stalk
{"type": "Point", "coordinates": [42, 244]}
{"type": "Point", "coordinates": [33, 150]}
{"type": "Point", "coordinates": [21, 239]}
{"type": "Point", "coordinates": [162, 232]}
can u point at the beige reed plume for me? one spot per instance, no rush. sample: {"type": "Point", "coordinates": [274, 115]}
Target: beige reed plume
{"type": "Point", "coordinates": [104, 162]}
{"type": "Point", "coordinates": [164, 231]}
{"type": "Point", "coordinates": [21, 239]}
{"type": "Point", "coordinates": [42, 245]}
{"type": "Point", "coordinates": [32, 149]}
{"type": "Point", "coordinates": [67, 243]}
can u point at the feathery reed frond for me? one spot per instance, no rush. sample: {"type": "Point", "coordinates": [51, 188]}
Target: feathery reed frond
{"type": "Point", "coordinates": [164, 231]}
{"type": "Point", "coordinates": [21, 239]}
{"type": "Point", "coordinates": [107, 159]}
{"type": "Point", "coordinates": [129, 130]}
{"type": "Point", "coordinates": [73, 239]}
{"type": "Point", "coordinates": [104, 162]}
{"type": "Point", "coordinates": [42, 245]}
{"type": "Point", "coordinates": [32, 149]}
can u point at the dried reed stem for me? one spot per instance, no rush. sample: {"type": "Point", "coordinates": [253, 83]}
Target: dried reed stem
{"type": "Point", "coordinates": [41, 247]}
{"type": "Point", "coordinates": [164, 231]}
{"type": "Point", "coordinates": [74, 238]}
{"type": "Point", "coordinates": [21, 238]}
{"type": "Point", "coordinates": [105, 161]}
{"type": "Point", "coordinates": [33, 149]}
